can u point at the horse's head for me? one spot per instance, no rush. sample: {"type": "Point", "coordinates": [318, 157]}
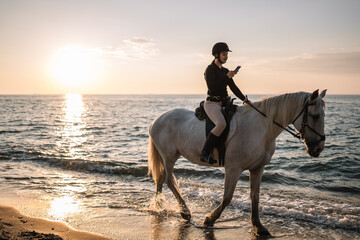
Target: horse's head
{"type": "Point", "coordinates": [310, 124]}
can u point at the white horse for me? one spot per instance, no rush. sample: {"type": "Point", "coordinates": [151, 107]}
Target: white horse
{"type": "Point", "coordinates": [249, 146]}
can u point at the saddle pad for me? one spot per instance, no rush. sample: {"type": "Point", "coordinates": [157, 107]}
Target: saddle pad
{"type": "Point", "coordinates": [225, 136]}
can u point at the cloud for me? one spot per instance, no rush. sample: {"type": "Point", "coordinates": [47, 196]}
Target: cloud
{"type": "Point", "coordinates": [132, 49]}
{"type": "Point", "coordinates": [139, 41]}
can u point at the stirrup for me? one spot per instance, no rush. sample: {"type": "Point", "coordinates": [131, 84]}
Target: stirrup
{"type": "Point", "coordinates": [207, 158]}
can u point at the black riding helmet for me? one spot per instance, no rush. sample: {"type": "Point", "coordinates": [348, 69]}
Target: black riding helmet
{"type": "Point", "coordinates": [220, 47]}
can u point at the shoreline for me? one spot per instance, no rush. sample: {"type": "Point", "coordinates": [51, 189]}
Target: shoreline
{"type": "Point", "coordinates": [158, 226]}
{"type": "Point", "coordinates": [124, 223]}
{"type": "Point", "coordinates": [15, 225]}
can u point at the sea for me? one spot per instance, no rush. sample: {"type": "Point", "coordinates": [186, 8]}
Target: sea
{"type": "Point", "coordinates": [81, 153]}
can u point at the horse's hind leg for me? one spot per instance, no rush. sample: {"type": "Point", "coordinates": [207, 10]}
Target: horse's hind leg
{"type": "Point", "coordinates": [159, 187]}
{"type": "Point", "coordinates": [159, 184]}
{"type": "Point", "coordinates": [231, 178]}
{"type": "Point", "coordinates": [172, 184]}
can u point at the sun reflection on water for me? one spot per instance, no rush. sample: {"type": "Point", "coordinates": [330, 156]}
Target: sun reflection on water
{"type": "Point", "coordinates": [74, 108]}
{"type": "Point", "coordinates": [71, 143]}
{"type": "Point", "coordinates": [64, 206]}
{"type": "Point", "coordinates": [73, 134]}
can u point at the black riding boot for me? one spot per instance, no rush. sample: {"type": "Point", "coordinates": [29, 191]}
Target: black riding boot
{"type": "Point", "coordinates": [211, 142]}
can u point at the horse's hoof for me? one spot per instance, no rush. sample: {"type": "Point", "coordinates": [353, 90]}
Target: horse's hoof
{"type": "Point", "coordinates": [260, 231]}
{"type": "Point", "coordinates": [207, 222]}
{"type": "Point", "coordinates": [159, 200]}
{"type": "Point", "coordinates": [159, 204]}
{"type": "Point", "coordinates": [185, 215]}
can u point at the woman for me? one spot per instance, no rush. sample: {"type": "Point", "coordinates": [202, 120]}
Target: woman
{"type": "Point", "coordinates": [217, 79]}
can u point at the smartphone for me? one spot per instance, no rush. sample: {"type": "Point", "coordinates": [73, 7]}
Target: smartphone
{"type": "Point", "coordinates": [237, 68]}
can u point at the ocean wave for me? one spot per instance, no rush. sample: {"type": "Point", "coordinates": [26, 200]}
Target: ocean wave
{"type": "Point", "coordinates": [340, 189]}
{"type": "Point", "coordinates": [75, 164]}
{"type": "Point", "coordinates": [99, 167]}
{"type": "Point", "coordinates": [279, 177]}
{"type": "Point", "coordinates": [137, 168]}
{"type": "Point", "coordinates": [10, 131]}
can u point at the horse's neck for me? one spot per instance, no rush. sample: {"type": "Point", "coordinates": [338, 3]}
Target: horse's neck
{"type": "Point", "coordinates": [285, 111]}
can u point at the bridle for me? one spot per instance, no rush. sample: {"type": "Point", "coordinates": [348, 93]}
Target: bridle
{"type": "Point", "coordinates": [304, 124]}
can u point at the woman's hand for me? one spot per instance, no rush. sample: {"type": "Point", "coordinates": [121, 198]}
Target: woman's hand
{"type": "Point", "coordinates": [231, 74]}
{"type": "Point", "coordinates": [247, 101]}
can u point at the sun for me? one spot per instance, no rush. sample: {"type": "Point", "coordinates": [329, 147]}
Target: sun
{"type": "Point", "coordinates": [75, 66]}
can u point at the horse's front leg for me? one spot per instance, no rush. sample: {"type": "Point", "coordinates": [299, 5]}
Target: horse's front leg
{"type": "Point", "coordinates": [255, 180]}
{"type": "Point", "coordinates": [231, 178]}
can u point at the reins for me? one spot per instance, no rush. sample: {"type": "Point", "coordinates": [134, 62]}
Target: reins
{"type": "Point", "coordinates": [289, 129]}
{"type": "Point", "coordinates": [299, 135]}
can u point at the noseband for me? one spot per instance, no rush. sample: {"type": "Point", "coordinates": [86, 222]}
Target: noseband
{"type": "Point", "coordinates": [304, 124]}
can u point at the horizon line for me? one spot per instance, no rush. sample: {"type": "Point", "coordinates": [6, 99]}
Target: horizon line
{"type": "Point", "coordinates": [137, 94]}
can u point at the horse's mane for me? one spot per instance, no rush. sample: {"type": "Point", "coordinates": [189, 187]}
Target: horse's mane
{"type": "Point", "coordinates": [289, 102]}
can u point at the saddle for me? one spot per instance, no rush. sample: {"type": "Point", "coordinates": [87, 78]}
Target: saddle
{"type": "Point", "coordinates": [228, 110]}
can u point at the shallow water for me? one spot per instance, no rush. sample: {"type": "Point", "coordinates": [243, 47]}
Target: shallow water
{"type": "Point", "coordinates": [82, 153]}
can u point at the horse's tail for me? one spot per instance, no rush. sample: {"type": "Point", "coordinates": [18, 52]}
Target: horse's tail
{"type": "Point", "coordinates": [155, 162]}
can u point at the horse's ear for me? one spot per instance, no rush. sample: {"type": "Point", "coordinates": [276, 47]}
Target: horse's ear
{"type": "Point", "coordinates": [323, 93]}
{"type": "Point", "coordinates": [314, 95]}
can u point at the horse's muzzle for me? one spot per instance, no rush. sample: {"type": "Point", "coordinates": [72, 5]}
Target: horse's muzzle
{"type": "Point", "coordinates": [314, 150]}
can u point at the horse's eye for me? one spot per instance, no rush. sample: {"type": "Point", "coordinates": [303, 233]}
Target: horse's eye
{"type": "Point", "coordinates": [315, 116]}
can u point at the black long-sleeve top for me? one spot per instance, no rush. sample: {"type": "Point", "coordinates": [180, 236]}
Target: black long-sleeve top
{"type": "Point", "coordinates": [217, 81]}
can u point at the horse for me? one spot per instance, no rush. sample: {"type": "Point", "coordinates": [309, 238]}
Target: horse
{"type": "Point", "coordinates": [249, 146]}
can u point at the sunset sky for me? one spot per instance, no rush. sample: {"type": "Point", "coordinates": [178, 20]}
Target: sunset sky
{"type": "Point", "coordinates": [163, 47]}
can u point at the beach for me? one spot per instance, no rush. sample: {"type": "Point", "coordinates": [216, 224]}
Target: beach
{"type": "Point", "coordinates": [134, 226]}
{"type": "Point", "coordinates": [14, 225]}
{"type": "Point", "coordinates": [82, 161]}
{"type": "Point", "coordinates": [103, 136]}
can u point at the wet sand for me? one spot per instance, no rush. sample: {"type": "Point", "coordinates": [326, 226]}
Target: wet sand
{"type": "Point", "coordinates": [23, 217]}
{"type": "Point", "coordinates": [14, 225]}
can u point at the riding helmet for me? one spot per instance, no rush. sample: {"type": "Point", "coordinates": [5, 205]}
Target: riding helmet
{"type": "Point", "coordinates": [220, 47]}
